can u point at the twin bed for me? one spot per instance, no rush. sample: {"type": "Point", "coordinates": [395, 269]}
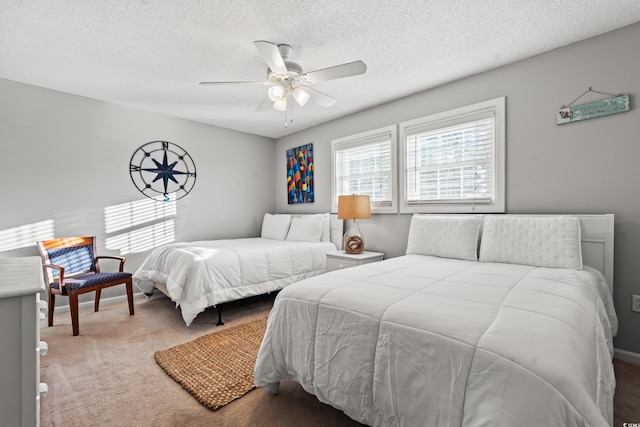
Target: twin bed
{"type": "Point", "coordinates": [496, 320]}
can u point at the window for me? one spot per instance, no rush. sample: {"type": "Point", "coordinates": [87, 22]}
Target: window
{"type": "Point", "coordinates": [365, 164]}
{"type": "Point", "coordinates": [455, 161]}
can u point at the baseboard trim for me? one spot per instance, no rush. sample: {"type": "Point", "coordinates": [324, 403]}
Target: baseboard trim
{"type": "Point", "coordinates": [103, 301]}
{"type": "Point", "coordinates": [627, 356]}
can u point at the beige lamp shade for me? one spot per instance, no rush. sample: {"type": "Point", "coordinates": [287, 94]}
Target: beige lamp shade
{"type": "Point", "coordinates": [354, 207]}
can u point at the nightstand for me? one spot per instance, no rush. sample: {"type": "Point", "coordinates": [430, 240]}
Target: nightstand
{"type": "Point", "coordinates": [338, 260]}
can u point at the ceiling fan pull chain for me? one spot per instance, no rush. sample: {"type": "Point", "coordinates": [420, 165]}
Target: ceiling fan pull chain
{"type": "Point", "coordinates": [290, 108]}
{"type": "Point", "coordinates": [286, 115]}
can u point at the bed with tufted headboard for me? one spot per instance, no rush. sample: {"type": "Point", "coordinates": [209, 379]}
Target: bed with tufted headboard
{"type": "Point", "coordinates": [487, 320]}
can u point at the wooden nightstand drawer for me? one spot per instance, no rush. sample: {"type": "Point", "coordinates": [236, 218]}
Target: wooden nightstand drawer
{"type": "Point", "coordinates": [338, 260]}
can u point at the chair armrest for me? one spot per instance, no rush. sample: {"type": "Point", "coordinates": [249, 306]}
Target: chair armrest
{"type": "Point", "coordinates": [60, 269]}
{"type": "Point", "coordinates": [117, 258]}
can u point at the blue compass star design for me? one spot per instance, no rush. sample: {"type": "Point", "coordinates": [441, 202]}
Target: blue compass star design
{"type": "Point", "coordinates": [162, 168]}
{"type": "Point", "coordinates": [164, 171]}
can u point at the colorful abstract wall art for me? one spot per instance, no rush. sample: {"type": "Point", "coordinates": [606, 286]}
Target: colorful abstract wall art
{"type": "Point", "coordinates": [300, 174]}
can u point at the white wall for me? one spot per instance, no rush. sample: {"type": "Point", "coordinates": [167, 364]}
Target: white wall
{"type": "Point", "coordinates": [65, 158]}
{"type": "Point", "coordinates": [583, 167]}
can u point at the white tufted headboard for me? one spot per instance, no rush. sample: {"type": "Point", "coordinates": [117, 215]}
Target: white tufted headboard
{"type": "Point", "coordinates": [596, 242]}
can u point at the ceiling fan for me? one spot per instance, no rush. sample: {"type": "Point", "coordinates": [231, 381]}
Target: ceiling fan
{"type": "Point", "coordinates": [287, 79]}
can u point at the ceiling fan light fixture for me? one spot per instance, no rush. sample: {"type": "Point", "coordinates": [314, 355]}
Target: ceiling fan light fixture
{"type": "Point", "coordinates": [301, 96]}
{"type": "Point", "coordinates": [276, 93]}
{"type": "Point", "coordinates": [281, 104]}
{"type": "Point", "coordinates": [288, 80]}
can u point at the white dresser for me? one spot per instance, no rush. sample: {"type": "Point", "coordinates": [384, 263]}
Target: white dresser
{"type": "Point", "coordinates": [21, 283]}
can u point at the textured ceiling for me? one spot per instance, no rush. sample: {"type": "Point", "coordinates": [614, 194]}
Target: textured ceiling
{"type": "Point", "coordinates": [151, 54]}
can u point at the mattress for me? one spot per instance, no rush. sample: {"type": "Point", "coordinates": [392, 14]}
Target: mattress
{"type": "Point", "coordinates": [206, 273]}
{"type": "Point", "coordinates": [425, 341]}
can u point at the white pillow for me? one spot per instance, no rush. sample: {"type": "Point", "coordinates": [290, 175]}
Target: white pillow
{"type": "Point", "coordinates": [275, 227]}
{"type": "Point", "coordinates": [307, 228]}
{"type": "Point", "coordinates": [445, 236]}
{"type": "Point", "coordinates": [326, 228]}
{"type": "Point", "coordinates": [544, 241]}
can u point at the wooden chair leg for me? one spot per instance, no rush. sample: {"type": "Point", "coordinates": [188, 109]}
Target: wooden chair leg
{"type": "Point", "coordinates": [73, 306]}
{"type": "Point", "coordinates": [96, 305]}
{"type": "Point", "coordinates": [130, 296]}
{"type": "Point", "coordinates": [52, 306]}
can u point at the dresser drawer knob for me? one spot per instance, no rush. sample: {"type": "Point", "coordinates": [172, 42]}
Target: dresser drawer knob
{"type": "Point", "coordinates": [43, 389]}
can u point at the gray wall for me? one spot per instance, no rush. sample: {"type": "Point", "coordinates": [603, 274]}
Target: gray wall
{"type": "Point", "coordinates": [65, 158]}
{"type": "Point", "coordinates": [582, 167]}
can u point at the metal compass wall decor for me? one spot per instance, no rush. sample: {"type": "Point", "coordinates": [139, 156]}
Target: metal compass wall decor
{"type": "Point", "coordinates": [161, 168]}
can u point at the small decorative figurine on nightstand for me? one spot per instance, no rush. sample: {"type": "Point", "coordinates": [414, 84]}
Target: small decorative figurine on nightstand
{"type": "Point", "coordinates": [354, 207]}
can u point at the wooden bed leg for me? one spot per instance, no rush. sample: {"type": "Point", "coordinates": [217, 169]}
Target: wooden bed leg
{"type": "Point", "coordinates": [220, 322]}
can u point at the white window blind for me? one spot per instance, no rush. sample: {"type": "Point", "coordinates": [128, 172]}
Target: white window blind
{"type": "Point", "coordinates": [364, 165]}
{"type": "Point", "coordinates": [454, 161]}
{"type": "Point", "coordinates": [451, 164]}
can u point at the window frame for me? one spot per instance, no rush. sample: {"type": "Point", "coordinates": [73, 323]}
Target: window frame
{"type": "Point", "coordinates": [362, 139]}
{"type": "Point", "coordinates": [445, 119]}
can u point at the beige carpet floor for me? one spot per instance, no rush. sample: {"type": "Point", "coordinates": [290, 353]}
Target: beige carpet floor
{"type": "Point", "coordinates": [107, 376]}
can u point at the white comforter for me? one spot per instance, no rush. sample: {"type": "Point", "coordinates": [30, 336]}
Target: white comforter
{"type": "Point", "coordinates": [424, 341]}
{"type": "Point", "coordinates": [206, 273]}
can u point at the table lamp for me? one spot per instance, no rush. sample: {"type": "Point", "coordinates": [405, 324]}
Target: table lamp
{"type": "Point", "coordinates": [354, 207]}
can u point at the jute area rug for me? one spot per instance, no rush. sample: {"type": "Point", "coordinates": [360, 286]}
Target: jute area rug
{"type": "Point", "coordinates": [216, 368]}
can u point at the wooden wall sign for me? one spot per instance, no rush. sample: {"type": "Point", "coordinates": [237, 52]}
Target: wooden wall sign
{"type": "Point", "coordinates": [604, 107]}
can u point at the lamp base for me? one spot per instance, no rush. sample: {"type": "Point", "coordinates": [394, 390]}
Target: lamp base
{"type": "Point", "coordinates": [353, 244]}
{"type": "Point", "coordinates": [353, 240]}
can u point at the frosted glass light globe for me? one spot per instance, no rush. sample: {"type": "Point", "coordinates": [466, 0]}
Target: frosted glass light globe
{"type": "Point", "coordinates": [275, 93]}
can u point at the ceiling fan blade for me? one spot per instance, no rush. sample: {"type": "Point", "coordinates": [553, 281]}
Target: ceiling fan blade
{"type": "Point", "coordinates": [232, 83]}
{"type": "Point", "coordinates": [337, 72]}
{"type": "Point", "coordinates": [320, 98]}
{"type": "Point", "coordinates": [271, 55]}
{"type": "Point", "coordinates": [265, 105]}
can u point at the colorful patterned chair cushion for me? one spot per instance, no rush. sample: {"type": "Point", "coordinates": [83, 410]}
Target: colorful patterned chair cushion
{"type": "Point", "coordinates": [91, 279]}
{"type": "Point", "coordinates": [74, 259]}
